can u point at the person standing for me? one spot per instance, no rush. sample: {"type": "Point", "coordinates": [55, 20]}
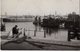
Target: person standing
{"type": "Point", "coordinates": [39, 20]}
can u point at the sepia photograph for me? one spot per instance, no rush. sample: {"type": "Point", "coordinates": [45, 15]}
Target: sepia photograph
{"type": "Point", "coordinates": [40, 25]}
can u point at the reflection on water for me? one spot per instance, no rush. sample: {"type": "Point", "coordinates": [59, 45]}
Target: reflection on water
{"type": "Point", "coordinates": [49, 31]}
{"type": "Point", "coordinates": [37, 32]}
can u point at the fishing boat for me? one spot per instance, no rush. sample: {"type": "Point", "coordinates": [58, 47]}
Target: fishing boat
{"type": "Point", "coordinates": [53, 23]}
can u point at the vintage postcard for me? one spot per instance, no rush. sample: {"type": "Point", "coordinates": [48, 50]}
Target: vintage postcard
{"type": "Point", "coordinates": [39, 25]}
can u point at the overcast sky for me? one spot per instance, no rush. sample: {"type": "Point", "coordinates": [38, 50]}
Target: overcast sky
{"type": "Point", "coordinates": [39, 7]}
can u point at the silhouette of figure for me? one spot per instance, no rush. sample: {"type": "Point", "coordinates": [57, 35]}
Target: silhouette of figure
{"type": "Point", "coordinates": [39, 20]}
{"type": "Point", "coordinates": [15, 31]}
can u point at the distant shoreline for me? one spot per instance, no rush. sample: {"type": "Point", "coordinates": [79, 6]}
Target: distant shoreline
{"type": "Point", "coordinates": [17, 21]}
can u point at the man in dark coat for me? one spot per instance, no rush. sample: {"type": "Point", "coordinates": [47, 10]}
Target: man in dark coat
{"type": "Point", "coordinates": [15, 31]}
